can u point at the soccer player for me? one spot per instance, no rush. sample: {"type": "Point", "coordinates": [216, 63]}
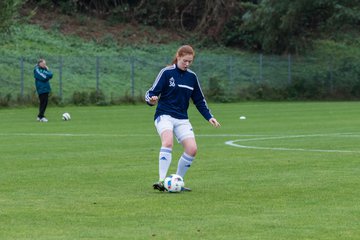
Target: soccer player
{"type": "Point", "coordinates": [172, 90]}
{"type": "Point", "coordinates": [42, 75]}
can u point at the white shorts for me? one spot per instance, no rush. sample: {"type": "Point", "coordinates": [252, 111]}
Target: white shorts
{"type": "Point", "coordinates": [181, 127]}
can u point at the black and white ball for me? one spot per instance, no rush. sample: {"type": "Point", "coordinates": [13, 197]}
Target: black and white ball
{"type": "Point", "coordinates": [66, 116]}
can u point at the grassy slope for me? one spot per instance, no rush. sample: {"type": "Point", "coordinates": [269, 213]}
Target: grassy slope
{"type": "Point", "coordinates": [90, 178]}
{"type": "Point", "coordinates": [32, 42]}
{"type": "Point", "coordinates": [230, 68]}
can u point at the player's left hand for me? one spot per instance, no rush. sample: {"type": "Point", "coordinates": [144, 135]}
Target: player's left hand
{"type": "Point", "coordinates": [214, 122]}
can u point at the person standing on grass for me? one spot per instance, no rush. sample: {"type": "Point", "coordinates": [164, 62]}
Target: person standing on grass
{"type": "Point", "coordinates": [42, 76]}
{"type": "Point", "coordinates": [172, 90]}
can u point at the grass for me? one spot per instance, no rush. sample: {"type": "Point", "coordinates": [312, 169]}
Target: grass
{"type": "Point", "coordinates": [90, 178]}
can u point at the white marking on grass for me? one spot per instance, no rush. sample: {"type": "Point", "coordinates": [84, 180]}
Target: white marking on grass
{"type": "Point", "coordinates": [118, 135]}
{"type": "Point", "coordinates": [233, 143]}
{"type": "Point", "coordinates": [229, 135]}
{"type": "Point", "coordinates": [76, 135]}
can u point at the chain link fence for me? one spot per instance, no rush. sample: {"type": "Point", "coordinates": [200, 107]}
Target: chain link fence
{"type": "Point", "coordinates": [223, 78]}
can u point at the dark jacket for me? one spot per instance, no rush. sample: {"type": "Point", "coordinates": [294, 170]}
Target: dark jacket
{"type": "Point", "coordinates": [176, 87]}
{"type": "Point", "coordinates": [42, 77]}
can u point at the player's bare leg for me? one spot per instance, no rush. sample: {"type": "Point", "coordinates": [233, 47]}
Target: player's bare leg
{"type": "Point", "coordinates": [190, 146]}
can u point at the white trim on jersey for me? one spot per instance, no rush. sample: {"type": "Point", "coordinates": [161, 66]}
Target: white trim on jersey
{"type": "Point", "coordinates": [147, 98]}
{"type": "Point", "coordinates": [160, 74]}
{"type": "Point", "coordinates": [185, 86]}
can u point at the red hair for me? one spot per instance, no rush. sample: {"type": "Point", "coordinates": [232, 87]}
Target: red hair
{"type": "Point", "coordinates": [182, 51]}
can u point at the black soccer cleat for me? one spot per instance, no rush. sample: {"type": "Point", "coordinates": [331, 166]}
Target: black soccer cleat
{"type": "Point", "coordinates": [159, 186]}
{"type": "Point", "coordinates": [185, 189]}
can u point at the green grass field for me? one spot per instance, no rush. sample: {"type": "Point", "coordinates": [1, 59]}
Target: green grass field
{"type": "Point", "coordinates": [291, 171]}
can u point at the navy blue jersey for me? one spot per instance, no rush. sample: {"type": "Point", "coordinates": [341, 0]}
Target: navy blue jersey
{"type": "Point", "coordinates": [175, 87]}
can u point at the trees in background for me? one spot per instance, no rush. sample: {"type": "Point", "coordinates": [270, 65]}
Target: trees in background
{"type": "Point", "coordinates": [8, 14]}
{"type": "Point", "coordinates": [289, 26]}
{"type": "Point", "coordinates": [274, 26]}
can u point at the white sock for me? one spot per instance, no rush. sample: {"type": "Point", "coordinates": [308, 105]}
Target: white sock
{"type": "Point", "coordinates": [185, 162]}
{"type": "Point", "coordinates": [164, 162]}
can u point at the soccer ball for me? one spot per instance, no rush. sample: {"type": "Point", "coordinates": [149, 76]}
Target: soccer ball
{"type": "Point", "coordinates": [173, 183]}
{"type": "Point", "coordinates": [66, 116]}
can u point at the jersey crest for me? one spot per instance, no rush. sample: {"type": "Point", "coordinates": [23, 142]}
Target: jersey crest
{"type": "Point", "coordinates": [171, 82]}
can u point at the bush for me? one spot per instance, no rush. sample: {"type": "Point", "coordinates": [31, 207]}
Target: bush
{"type": "Point", "coordinates": [216, 91]}
{"type": "Point", "coordinates": [5, 100]}
{"type": "Point", "coordinates": [94, 97]}
{"type": "Point", "coordinates": [97, 97]}
{"type": "Point", "coordinates": [127, 98]}
{"type": "Point", "coordinates": [355, 91]}
{"type": "Point", "coordinates": [54, 99]}
{"type": "Point", "coordinates": [308, 88]}
{"type": "Point", "coordinates": [30, 100]}
{"type": "Point", "coordinates": [80, 98]}
{"type": "Point", "coordinates": [8, 14]}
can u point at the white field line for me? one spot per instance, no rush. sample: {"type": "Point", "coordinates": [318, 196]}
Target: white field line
{"type": "Point", "coordinates": [117, 135]}
{"type": "Point", "coordinates": [76, 135]}
{"type": "Point", "coordinates": [233, 143]}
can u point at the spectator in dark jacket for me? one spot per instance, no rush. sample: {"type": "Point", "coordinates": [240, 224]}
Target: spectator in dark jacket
{"type": "Point", "coordinates": [42, 76]}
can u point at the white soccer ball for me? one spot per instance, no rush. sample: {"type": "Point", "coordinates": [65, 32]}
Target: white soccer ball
{"type": "Point", "coordinates": [66, 116]}
{"type": "Point", "coordinates": [174, 183]}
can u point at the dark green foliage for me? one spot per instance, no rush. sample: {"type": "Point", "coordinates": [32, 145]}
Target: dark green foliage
{"type": "Point", "coordinates": [347, 78]}
{"type": "Point", "coordinates": [28, 100]}
{"type": "Point", "coordinates": [83, 98]}
{"type": "Point", "coordinates": [55, 100]}
{"type": "Point", "coordinates": [308, 88]}
{"type": "Point", "coordinates": [356, 89]}
{"type": "Point", "coordinates": [272, 26]}
{"type": "Point", "coordinates": [290, 26]}
{"type": "Point", "coordinates": [5, 100]}
{"type": "Point", "coordinates": [97, 97]}
{"type": "Point", "coordinates": [80, 98]}
{"type": "Point", "coordinates": [216, 91]}
{"type": "Point", "coordinates": [8, 14]}
{"type": "Point", "coordinates": [127, 98]}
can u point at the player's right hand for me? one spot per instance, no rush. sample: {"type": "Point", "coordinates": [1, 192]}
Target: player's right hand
{"type": "Point", "coordinates": [153, 100]}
